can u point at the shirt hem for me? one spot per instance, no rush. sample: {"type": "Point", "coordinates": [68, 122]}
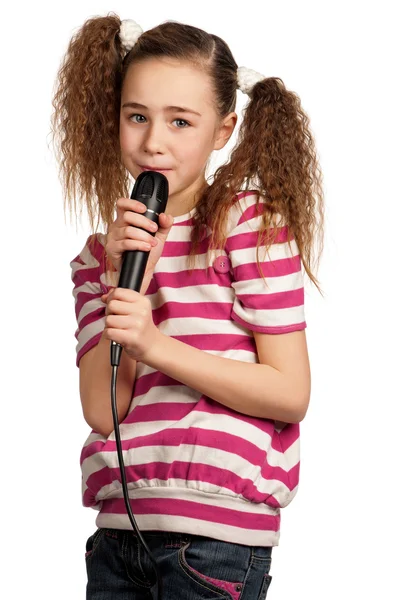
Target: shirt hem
{"type": "Point", "coordinates": [178, 523]}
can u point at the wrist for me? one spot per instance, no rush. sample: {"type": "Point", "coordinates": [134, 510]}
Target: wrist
{"type": "Point", "coordinates": [146, 282]}
{"type": "Point", "coordinates": [144, 286]}
{"type": "Point", "coordinates": [151, 355]}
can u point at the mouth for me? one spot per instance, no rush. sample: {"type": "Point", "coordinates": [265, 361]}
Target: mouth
{"type": "Point", "coordinates": [159, 170]}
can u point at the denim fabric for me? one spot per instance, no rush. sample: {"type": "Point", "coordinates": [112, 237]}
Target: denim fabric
{"type": "Point", "coordinates": [192, 567]}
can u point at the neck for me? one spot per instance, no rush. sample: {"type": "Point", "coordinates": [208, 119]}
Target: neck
{"type": "Point", "coordinates": [184, 201]}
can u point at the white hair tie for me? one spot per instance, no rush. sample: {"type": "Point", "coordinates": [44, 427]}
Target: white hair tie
{"type": "Point", "coordinates": [247, 78]}
{"type": "Point", "coordinates": [129, 33]}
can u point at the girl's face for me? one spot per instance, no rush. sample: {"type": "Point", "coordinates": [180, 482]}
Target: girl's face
{"type": "Point", "coordinates": [168, 122]}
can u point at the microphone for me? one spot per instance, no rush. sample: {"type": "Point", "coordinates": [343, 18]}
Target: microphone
{"type": "Point", "coordinates": [151, 188]}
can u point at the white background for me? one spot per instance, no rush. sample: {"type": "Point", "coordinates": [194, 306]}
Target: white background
{"type": "Point", "coordinates": [338, 537]}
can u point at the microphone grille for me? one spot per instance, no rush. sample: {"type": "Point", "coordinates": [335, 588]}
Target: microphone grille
{"type": "Point", "coordinates": [147, 186]}
{"type": "Point", "coordinates": [162, 191]}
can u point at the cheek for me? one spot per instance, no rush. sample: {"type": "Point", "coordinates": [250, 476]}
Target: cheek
{"type": "Point", "coordinates": [123, 138]}
{"type": "Point", "coordinates": [126, 140]}
{"type": "Point", "coordinates": [195, 158]}
{"type": "Point", "coordinates": [195, 150]}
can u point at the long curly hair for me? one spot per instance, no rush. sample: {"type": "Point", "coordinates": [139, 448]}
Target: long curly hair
{"type": "Point", "coordinates": [275, 153]}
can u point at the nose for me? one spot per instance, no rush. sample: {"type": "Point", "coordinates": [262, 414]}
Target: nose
{"type": "Point", "coordinates": [154, 140]}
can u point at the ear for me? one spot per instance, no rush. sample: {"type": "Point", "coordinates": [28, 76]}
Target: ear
{"type": "Point", "coordinates": [225, 130]}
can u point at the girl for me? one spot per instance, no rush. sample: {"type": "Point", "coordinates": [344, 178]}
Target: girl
{"type": "Point", "coordinates": [214, 378]}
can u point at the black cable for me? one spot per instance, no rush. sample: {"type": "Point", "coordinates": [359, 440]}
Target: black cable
{"type": "Point", "coordinates": [158, 584]}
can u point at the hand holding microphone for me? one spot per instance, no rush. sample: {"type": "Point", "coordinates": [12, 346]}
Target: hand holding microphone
{"type": "Point", "coordinates": [126, 248]}
{"type": "Point", "coordinates": [127, 233]}
{"type": "Point", "coordinates": [129, 322]}
{"type": "Point", "coordinates": [124, 234]}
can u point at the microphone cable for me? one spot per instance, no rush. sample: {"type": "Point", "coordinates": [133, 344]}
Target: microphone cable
{"type": "Point", "coordinates": [152, 189]}
{"type": "Point", "coordinates": [158, 584]}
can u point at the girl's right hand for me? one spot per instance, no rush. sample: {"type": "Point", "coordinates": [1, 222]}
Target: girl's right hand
{"type": "Point", "coordinates": [123, 233]}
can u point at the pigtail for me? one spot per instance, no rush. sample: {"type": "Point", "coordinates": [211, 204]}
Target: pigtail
{"type": "Point", "coordinates": [275, 155]}
{"type": "Point", "coordinates": [85, 121]}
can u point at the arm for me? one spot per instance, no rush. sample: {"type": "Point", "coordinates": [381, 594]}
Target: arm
{"type": "Point", "coordinates": [95, 387]}
{"type": "Point", "coordinates": [278, 390]}
{"type": "Point", "coordinates": [95, 383]}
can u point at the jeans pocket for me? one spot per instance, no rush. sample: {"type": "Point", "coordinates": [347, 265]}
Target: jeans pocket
{"type": "Point", "coordinates": [92, 542]}
{"type": "Point", "coordinates": [219, 572]}
{"type": "Point", "coordinates": [265, 586]}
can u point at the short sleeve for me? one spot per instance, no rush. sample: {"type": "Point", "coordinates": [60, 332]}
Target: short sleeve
{"type": "Point", "coordinates": [89, 281]}
{"type": "Point", "coordinates": [276, 305]}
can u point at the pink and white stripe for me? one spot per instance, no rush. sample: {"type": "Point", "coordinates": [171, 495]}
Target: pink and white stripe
{"type": "Point", "coordinates": [192, 464]}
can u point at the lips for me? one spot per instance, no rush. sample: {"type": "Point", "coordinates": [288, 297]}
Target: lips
{"type": "Point", "coordinates": [146, 168]}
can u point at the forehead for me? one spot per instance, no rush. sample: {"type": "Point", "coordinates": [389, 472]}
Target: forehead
{"type": "Point", "coordinates": [168, 82]}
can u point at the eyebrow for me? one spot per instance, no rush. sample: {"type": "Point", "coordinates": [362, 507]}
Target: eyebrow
{"type": "Point", "coordinates": [181, 109]}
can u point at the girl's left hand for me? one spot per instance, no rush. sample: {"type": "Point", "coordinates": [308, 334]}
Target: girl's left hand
{"type": "Point", "coordinates": [129, 322]}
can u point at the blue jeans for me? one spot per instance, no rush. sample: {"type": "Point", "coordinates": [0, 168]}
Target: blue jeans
{"type": "Point", "coordinates": [192, 567]}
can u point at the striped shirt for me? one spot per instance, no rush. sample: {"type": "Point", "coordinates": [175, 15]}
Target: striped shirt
{"type": "Point", "coordinates": [192, 464]}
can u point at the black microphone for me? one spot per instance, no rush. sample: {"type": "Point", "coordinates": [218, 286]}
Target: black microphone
{"type": "Point", "coordinates": [151, 188]}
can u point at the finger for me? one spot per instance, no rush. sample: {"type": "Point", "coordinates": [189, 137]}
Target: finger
{"type": "Point", "coordinates": [118, 322]}
{"type": "Point", "coordinates": [116, 247]}
{"type": "Point", "coordinates": [138, 220]}
{"type": "Point", "coordinates": [136, 233]}
{"type": "Point", "coordinates": [166, 220]}
{"type": "Point", "coordinates": [119, 307]}
{"type": "Point", "coordinates": [116, 335]}
{"type": "Point", "coordinates": [165, 224]}
{"type": "Point", "coordinates": [128, 204]}
{"type": "Point", "coordinates": [126, 295]}
{"type": "Point", "coordinates": [105, 296]}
